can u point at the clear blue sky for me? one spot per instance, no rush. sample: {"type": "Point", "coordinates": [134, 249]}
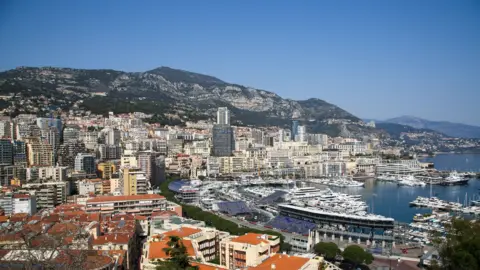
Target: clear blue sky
{"type": "Point", "coordinates": [376, 59]}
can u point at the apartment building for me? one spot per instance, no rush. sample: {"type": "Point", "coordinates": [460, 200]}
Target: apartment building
{"type": "Point", "coordinates": [247, 250]}
{"type": "Point", "coordinates": [287, 262]}
{"type": "Point", "coordinates": [48, 194]}
{"type": "Point", "coordinates": [56, 174]}
{"type": "Point", "coordinates": [135, 204]}
{"type": "Point", "coordinates": [85, 162]}
{"type": "Point", "coordinates": [106, 169]}
{"type": "Point", "coordinates": [40, 154]}
{"type": "Point", "coordinates": [134, 181]}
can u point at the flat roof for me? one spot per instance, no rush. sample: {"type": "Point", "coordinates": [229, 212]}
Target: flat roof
{"type": "Point", "coordinates": [102, 199]}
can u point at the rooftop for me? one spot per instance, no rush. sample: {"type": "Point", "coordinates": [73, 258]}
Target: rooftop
{"type": "Point", "coordinates": [251, 238]}
{"type": "Point", "coordinates": [156, 251]}
{"type": "Point", "coordinates": [182, 232]}
{"type": "Point", "coordinates": [102, 199]}
{"type": "Point", "coordinates": [282, 262]}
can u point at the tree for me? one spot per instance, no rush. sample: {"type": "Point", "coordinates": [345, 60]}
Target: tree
{"type": "Point", "coordinates": [328, 250]}
{"type": "Point", "coordinates": [460, 248]}
{"type": "Point", "coordinates": [179, 258]}
{"type": "Point", "coordinates": [357, 255]}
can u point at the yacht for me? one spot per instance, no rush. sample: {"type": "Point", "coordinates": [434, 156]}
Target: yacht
{"type": "Point", "coordinates": [454, 179]}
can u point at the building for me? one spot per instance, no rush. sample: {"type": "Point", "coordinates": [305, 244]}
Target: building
{"type": "Point", "coordinates": [135, 204]}
{"type": "Point", "coordinates": [6, 129]}
{"type": "Point", "coordinates": [90, 186]}
{"type": "Point", "coordinates": [223, 140]}
{"type": "Point", "coordinates": [68, 151]}
{"type": "Point", "coordinates": [70, 134]}
{"type": "Point", "coordinates": [128, 161]}
{"type": "Point", "coordinates": [85, 162]}
{"type": "Point", "coordinates": [24, 203]}
{"type": "Point", "coordinates": [302, 134]}
{"type": "Point", "coordinates": [56, 174]}
{"type": "Point", "coordinates": [106, 169]}
{"type": "Point", "coordinates": [51, 135]}
{"type": "Point", "coordinates": [158, 174]}
{"type": "Point", "coordinates": [40, 154]}
{"type": "Point", "coordinates": [247, 250]}
{"type": "Point", "coordinates": [146, 162]}
{"type": "Point", "coordinates": [6, 152]}
{"type": "Point", "coordinates": [294, 131]}
{"type": "Point", "coordinates": [287, 262]}
{"type": "Point", "coordinates": [109, 152]}
{"type": "Point", "coordinates": [113, 137]}
{"type": "Point", "coordinates": [48, 194]}
{"type": "Point", "coordinates": [223, 116]}
{"type": "Point", "coordinates": [19, 153]}
{"type": "Point", "coordinates": [134, 182]}
{"type": "Point", "coordinates": [45, 123]}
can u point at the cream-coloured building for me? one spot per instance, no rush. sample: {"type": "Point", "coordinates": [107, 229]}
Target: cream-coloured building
{"type": "Point", "coordinates": [135, 181]}
{"type": "Point", "coordinates": [40, 154]}
{"type": "Point", "coordinates": [247, 250]}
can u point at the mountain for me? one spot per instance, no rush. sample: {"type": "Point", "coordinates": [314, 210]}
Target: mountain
{"type": "Point", "coordinates": [396, 130]}
{"type": "Point", "coordinates": [172, 95]}
{"type": "Point", "coordinates": [448, 128]}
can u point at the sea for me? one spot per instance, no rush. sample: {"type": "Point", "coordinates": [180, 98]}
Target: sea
{"type": "Point", "coordinates": [388, 199]}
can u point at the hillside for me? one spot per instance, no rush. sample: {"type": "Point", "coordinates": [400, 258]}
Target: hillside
{"type": "Point", "coordinates": [451, 129]}
{"type": "Point", "coordinates": [167, 93]}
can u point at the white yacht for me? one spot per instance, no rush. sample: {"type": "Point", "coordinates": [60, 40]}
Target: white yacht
{"type": "Point", "coordinates": [454, 178]}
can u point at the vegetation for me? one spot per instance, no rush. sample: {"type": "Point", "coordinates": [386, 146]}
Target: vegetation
{"type": "Point", "coordinates": [179, 258]}
{"type": "Point", "coordinates": [213, 220]}
{"type": "Point", "coordinates": [461, 247]}
{"type": "Point", "coordinates": [357, 255]}
{"type": "Point", "coordinates": [328, 250]}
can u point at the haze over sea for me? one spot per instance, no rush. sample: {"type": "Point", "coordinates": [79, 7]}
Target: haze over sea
{"type": "Point", "coordinates": [388, 199]}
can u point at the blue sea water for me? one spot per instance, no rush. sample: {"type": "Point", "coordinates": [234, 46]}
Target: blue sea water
{"type": "Point", "coordinates": [390, 200]}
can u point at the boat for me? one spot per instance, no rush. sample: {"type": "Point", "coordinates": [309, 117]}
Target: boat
{"type": "Point", "coordinates": [423, 218]}
{"type": "Point", "coordinates": [454, 179]}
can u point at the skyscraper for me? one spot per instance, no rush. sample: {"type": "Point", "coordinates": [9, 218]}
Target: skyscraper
{"type": "Point", "coordinates": [223, 140]}
{"type": "Point", "coordinates": [294, 129]}
{"type": "Point", "coordinates": [223, 116]}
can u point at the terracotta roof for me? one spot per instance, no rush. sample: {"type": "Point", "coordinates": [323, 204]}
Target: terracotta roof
{"type": "Point", "coordinates": [250, 238]}
{"type": "Point", "coordinates": [64, 228]}
{"type": "Point", "coordinates": [155, 251]}
{"type": "Point", "coordinates": [125, 198]}
{"type": "Point", "coordinates": [202, 266]}
{"type": "Point", "coordinates": [3, 218]}
{"type": "Point", "coordinates": [21, 196]}
{"type": "Point", "coordinates": [18, 217]}
{"type": "Point", "coordinates": [115, 238]}
{"type": "Point", "coordinates": [282, 262]}
{"type": "Point", "coordinates": [182, 232]}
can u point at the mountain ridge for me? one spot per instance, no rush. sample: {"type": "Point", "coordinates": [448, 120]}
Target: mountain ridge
{"type": "Point", "coordinates": [448, 128]}
{"type": "Point", "coordinates": [167, 93]}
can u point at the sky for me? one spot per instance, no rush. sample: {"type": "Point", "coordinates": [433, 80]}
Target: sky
{"type": "Point", "coordinates": [375, 59]}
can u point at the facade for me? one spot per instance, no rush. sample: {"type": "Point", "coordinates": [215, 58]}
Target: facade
{"type": "Point", "coordinates": [113, 137]}
{"type": "Point", "coordinates": [40, 154]}
{"type": "Point", "coordinates": [85, 162]}
{"type": "Point", "coordinates": [223, 116]}
{"type": "Point", "coordinates": [24, 203]}
{"type": "Point", "coordinates": [45, 123]}
{"type": "Point", "coordinates": [19, 153]}
{"type": "Point", "coordinates": [135, 204]}
{"type": "Point", "coordinates": [56, 174]}
{"type": "Point", "coordinates": [158, 173]}
{"type": "Point", "coordinates": [107, 169]}
{"type": "Point", "coordinates": [109, 152]}
{"type": "Point", "coordinates": [223, 140]}
{"type": "Point", "coordinates": [247, 250]}
{"type": "Point", "coordinates": [51, 135]}
{"type": "Point", "coordinates": [294, 131]}
{"type": "Point", "coordinates": [134, 182]}
{"type": "Point", "coordinates": [146, 162]}
{"type": "Point", "coordinates": [49, 194]}
{"type": "Point", "coordinates": [6, 152]}
{"type": "Point", "coordinates": [70, 134]}
{"type": "Point", "coordinates": [68, 151]}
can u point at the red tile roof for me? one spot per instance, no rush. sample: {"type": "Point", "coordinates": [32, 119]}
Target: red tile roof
{"type": "Point", "coordinates": [250, 238]}
{"type": "Point", "coordinates": [182, 232]}
{"type": "Point", "coordinates": [156, 251]}
{"type": "Point", "coordinates": [202, 266]}
{"type": "Point", "coordinates": [282, 262]}
{"type": "Point", "coordinates": [115, 238]}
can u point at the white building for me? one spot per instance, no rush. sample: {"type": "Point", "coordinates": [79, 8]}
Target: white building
{"type": "Point", "coordinates": [24, 203]}
{"type": "Point", "coordinates": [223, 116]}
